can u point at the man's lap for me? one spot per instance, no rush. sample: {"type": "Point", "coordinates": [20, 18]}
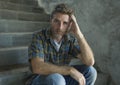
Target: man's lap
{"type": "Point", "coordinates": [41, 80]}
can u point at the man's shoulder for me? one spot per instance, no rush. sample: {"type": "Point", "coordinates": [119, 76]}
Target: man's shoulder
{"type": "Point", "coordinates": [40, 34]}
{"type": "Point", "coordinates": [71, 37]}
{"type": "Point", "coordinates": [41, 31]}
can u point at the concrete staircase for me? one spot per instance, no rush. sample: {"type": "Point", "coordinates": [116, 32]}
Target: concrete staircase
{"type": "Point", "coordinates": [18, 20]}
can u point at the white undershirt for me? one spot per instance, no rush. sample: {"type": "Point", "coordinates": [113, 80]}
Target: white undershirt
{"type": "Point", "coordinates": [57, 47]}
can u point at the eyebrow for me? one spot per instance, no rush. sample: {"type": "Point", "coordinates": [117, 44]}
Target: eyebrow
{"type": "Point", "coordinates": [59, 20]}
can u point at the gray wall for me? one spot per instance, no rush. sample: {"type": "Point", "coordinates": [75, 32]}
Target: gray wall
{"type": "Point", "coordinates": [100, 22]}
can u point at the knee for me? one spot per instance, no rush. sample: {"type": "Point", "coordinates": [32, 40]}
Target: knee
{"type": "Point", "coordinates": [91, 74]}
{"type": "Point", "coordinates": [55, 79]}
{"type": "Point", "coordinates": [92, 71]}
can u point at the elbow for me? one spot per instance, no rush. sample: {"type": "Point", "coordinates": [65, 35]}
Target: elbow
{"type": "Point", "coordinates": [34, 71]}
{"type": "Point", "coordinates": [91, 62]}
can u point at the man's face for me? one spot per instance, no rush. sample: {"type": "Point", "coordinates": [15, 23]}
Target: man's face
{"type": "Point", "coordinates": [59, 24]}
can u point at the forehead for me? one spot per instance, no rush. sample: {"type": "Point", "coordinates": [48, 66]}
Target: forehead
{"type": "Point", "coordinates": [61, 17]}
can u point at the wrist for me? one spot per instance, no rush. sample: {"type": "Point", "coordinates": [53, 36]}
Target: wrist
{"type": "Point", "coordinates": [79, 35]}
{"type": "Point", "coordinates": [75, 74]}
{"type": "Point", "coordinates": [66, 70]}
{"type": "Point", "coordinates": [72, 71]}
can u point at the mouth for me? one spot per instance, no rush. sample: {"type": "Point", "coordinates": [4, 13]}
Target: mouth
{"type": "Point", "coordinates": [61, 32]}
{"type": "Point", "coordinates": [58, 32]}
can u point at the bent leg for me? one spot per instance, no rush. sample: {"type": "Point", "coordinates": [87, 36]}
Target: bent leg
{"type": "Point", "coordinates": [55, 79]}
{"type": "Point", "coordinates": [52, 79]}
{"type": "Point", "coordinates": [34, 80]}
{"type": "Point", "coordinates": [89, 72]}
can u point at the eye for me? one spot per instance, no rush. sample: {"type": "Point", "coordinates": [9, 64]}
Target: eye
{"type": "Point", "coordinates": [56, 21]}
{"type": "Point", "coordinates": [65, 23]}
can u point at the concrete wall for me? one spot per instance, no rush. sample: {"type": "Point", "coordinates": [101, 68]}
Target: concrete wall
{"type": "Point", "coordinates": [100, 22]}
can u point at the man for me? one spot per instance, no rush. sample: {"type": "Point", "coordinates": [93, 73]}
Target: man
{"type": "Point", "coordinates": [52, 49]}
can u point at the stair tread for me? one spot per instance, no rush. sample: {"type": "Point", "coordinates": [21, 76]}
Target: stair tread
{"type": "Point", "coordinates": [13, 48]}
{"type": "Point", "coordinates": [19, 7]}
{"type": "Point", "coordinates": [15, 33]}
{"type": "Point", "coordinates": [2, 20]}
{"type": "Point", "coordinates": [20, 15]}
{"type": "Point", "coordinates": [22, 12]}
{"type": "Point", "coordinates": [3, 1]}
{"type": "Point", "coordinates": [21, 26]}
{"type": "Point", "coordinates": [23, 2]}
{"type": "Point", "coordinates": [15, 39]}
{"type": "Point", "coordinates": [13, 55]}
{"type": "Point", "coordinates": [14, 69]}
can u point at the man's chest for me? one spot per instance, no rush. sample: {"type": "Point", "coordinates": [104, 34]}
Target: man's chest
{"type": "Point", "coordinates": [57, 57]}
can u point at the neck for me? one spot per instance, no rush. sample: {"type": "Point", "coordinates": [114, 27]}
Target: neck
{"type": "Point", "coordinates": [57, 38]}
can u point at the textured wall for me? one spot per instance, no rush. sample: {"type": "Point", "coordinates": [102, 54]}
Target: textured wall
{"type": "Point", "coordinates": [100, 22]}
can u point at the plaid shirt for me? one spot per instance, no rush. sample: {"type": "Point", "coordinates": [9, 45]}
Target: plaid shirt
{"type": "Point", "coordinates": [43, 47]}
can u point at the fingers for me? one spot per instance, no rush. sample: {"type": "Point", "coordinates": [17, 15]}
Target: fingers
{"type": "Point", "coordinates": [78, 76]}
{"type": "Point", "coordinates": [73, 18]}
{"type": "Point", "coordinates": [82, 81]}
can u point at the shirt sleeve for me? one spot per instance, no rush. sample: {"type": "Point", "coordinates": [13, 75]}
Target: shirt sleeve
{"type": "Point", "coordinates": [75, 48]}
{"type": "Point", "coordinates": [36, 47]}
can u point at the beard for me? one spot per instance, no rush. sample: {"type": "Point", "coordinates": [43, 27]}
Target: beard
{"type": "Point", "coordinates": [58, 34]}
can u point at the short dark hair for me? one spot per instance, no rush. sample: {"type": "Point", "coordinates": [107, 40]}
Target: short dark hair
{"type": "Point", "coordinates": [62, 8]}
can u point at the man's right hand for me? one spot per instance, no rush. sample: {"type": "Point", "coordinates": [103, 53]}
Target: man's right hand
{"type": "Point", "coordinates": [77, 76]}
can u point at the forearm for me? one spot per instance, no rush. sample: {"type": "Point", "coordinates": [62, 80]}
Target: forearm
{"type": "Point", "coordinates": [47, 68]}
{"type": "Point", "coordinates": [86, 52]}
{"type": "Point", "coordinates": [40, 67]}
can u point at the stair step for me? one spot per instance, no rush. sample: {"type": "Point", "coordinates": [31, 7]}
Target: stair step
{"type": "Point", "coordinates": [20, 7]}
{"type": "Point", "coordinates": [25, 2]}
{"type": "Point", "coordinates": [18, 15]}
{"type": "Point", "coordinates": [21, 26]}
{"type": "Point", "coordinates": [13, 55]}
{"type": "Point", "coordinates": [16, 68]}
{"type": "Point", "coordinates": [14, 75]}
{"type": "Point", "coordinates": [15, 39]}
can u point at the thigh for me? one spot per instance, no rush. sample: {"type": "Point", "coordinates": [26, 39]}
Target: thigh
{"type": "Point", "coordinates": [70, 81]}
{"type": "Point", "coordinates": [36, 80]}
{"type": "Point", "coordinates": [52, 79]}
{"type": "Point", "coordinates": [81, 68]}
{"type": "Point", "coordinates": [55, 79]}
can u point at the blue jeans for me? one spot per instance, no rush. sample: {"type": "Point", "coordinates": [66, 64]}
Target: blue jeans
{"type": "Point", "coordinates": [89, 73]}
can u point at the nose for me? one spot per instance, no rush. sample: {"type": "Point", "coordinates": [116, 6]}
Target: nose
{"type": "Point", "coordinates": [60, 25]}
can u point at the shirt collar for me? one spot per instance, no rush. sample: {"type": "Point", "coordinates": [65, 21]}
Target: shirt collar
{"type": "Point", "coordinates": [48, 33]}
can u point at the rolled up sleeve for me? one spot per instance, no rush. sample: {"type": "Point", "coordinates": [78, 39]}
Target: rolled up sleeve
{"type": "Point", "coordinates": [36, 47]}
